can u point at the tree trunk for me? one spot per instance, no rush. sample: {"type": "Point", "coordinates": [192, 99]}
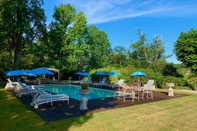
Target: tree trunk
{"type": "Point", "coordinates": [17, 59]}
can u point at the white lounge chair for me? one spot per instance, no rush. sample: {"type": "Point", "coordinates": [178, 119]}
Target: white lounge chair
{"type": "Point", "coordinates": [10, 85]}
{"type": "Point", "coordinates": [101, 83]}
{"type": "Point", "coordinates": [44, 97]}
{"type": "Point", "coordinates": [23, 89]}
{"type": "Point", "coordinates": [118, 84]}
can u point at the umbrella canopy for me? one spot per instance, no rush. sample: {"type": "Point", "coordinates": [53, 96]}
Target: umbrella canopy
{"type": "Point", "coordinates": [79, 73]}
{"type": "Point", "coordinates": [100, 73]}
{"type": "Point", "coordinates": [30, 74]}
{"type": "Point", "coordinates": [138, 73]}
{"type": "Point", "coordinates": [113, 73]}
{"type": "Point", "coordinates": [16, 73]}
{"type": "Point", "coordinates": [85, 74]}
{"type": "Point", "coordinates": [41, 71]}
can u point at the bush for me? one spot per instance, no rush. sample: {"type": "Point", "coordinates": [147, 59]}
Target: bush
{"type": "Point", "coordinates": [84, 86]}
{"type": "Point", "coordinates": [158, 80]}
{"type": "Point", "coordinates": [192, 83]}
{"type": "Point", "coordinates": [113, 79]}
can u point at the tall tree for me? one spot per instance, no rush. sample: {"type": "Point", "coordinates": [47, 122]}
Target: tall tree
{"type": "Point", "coordinates": [66, 38]}
{"type": "Point", "coordinates": [185, 48]}
{"type": "Point", "coordinates": [146, 51]}
{"type": "Point", "coordinates": [120, 55]}
{"type": "Point", "coordinates": [99, 48]}
{"type": "Point", "coordinates": [21, 23]}
{"type": "Point", "coordinates": [140, 50]}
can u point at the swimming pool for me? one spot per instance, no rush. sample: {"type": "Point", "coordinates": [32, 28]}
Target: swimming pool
{"type": "Point", "coordinates": [73, 91]}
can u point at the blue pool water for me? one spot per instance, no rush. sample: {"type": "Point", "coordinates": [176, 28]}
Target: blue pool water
{"type": "Point", "coordinates": [73, 91]}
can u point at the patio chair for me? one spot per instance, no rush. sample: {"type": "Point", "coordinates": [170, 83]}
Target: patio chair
{"type": "Point", "coordinates": [43, 97]}
{"type": "Point", "coordinates": [149, 85]}
{"type": "Point", "coordinates": [101, 83]}
{"type": "Point", "coordinates": [148, 92]}
{"type": "Point", "coordinates": [118, 84]}
{"type": "Point", "coordinates": [23, 89]}
{"type": "Point", "coordinates": [128, 93]}
{"type": "Point", "coordinates": [10, 85]}
{"type": "Point", "coordinates": [119, 93]}
{"type": "Point", "coordinates": [139, 92]}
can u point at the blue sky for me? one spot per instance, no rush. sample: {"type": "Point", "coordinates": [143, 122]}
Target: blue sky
{"type": "Point", "coordinates": [121, 19]}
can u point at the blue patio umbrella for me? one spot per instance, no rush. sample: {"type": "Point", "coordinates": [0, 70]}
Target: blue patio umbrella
{"type": "Point", "coordinates": [16, 73]}
{"type": "Point", "coordinates": [7, 72]}
{"type": "Point", "coordinates": [100, 73]}
{"type": "Point", "coordinates": [79, 73]}
{"type": "Point", "coordinates": [113, 73]}
{"type": "Point", "coordinates": [85, 74]}
{"type": "Point", "coordinates": [19, 73]}
{"type": "Point", "coordinates": [138, 73]}
{"type": "Point", "coordinates": [41, 71]}
{"type": "Point", "coordinates": [28, 73]}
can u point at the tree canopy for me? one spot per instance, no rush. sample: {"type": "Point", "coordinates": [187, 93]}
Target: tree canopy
{"type": "Point", "coordinates": [21, 23]}
{"type": "Point", "coordinates": [185, 48]}
{"type": "Point", "coordinates": [146, 52]}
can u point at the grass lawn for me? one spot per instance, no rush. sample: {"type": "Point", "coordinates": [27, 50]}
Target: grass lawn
{"type": "Point", "coordinates": [179, 114]}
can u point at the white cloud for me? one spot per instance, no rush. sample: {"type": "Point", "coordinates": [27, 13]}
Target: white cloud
{"type": "Point", "coordinates": [101, 11]}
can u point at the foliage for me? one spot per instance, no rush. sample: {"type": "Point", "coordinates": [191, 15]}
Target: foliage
{"type": "Point", "coordinates": [65, 45]}
{"type": "Point", "coordinates": [185, 48]}
{"type": "Point", "coordinates": [147, 52]}
{"type": "Point", "coordinates": [170, 70]}
{"type": "Point", "coordinates": [84, 86]}
{"type": "Point", "coordinates": [113, 79]}
{"type": "Point", "coordinates": [172, 79]}
{"type": "Point", "coordinates": [158, 66]}
{"type": "Point", "coordinates": [192, 82]}
{"type": "Point", "coordinates": [4, 64]}
{"type": "Point", "coordinates": [21, 23]}
{"type": "Point", "coordinates": [119, 55]}
{"type": "Point", "coordinates": [99, 51]}
{"type": "Point", "coordinates": [177, 87]}
{"type": "Point", "coordinates": [158, 80]}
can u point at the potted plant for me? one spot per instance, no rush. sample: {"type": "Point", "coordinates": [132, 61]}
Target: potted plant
{"type": "Point", "coordinates": [84, 87]}
{"type": "Point", "coordinates": [84, 91]}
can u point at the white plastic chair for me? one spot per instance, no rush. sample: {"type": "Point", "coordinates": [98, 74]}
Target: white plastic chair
{"type": "Point", "coordinates": [118, 84]}
{"type": "Point", "coordinates": [43, 97]}
{"type": "Point", "coordinates": [101, 83]}
{"type": "Point", "coordinates": [149, 85]}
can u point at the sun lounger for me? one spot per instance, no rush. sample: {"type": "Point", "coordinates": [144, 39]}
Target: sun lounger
{"type": "Point", "coordinates": [23, 89]}
{"type": "Point", "coordinates": [10, 85]}
{"type": "Point", "coordinates": [101, 83]}
{"type": "Point", "coordinates": [44, 97]}
{"type": "Point", "coordinates": [118, 84]}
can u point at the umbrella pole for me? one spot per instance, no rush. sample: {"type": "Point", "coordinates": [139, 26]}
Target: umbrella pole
{"type": "Point", "coordinates": [100, 80]}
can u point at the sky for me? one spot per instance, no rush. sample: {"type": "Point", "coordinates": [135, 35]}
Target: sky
{"type": "Point", "coordinates": [121, 19]}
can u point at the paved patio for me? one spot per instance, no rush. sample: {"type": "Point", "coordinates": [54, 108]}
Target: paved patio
{"type": "Point", "coordinates": [62, 110]}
